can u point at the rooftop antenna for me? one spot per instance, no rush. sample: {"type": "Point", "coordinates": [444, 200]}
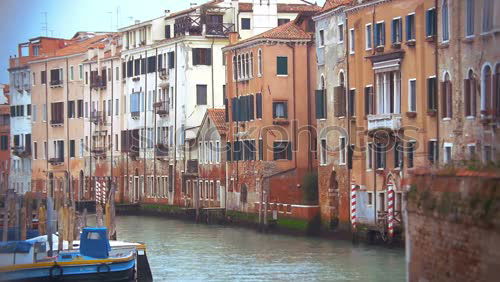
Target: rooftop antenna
{"type": "Point", "coordinates": [45, 24]}
{"type": "Point", "coordinates": [117, 17]}
{"type": "Point", "coordinates": [111, 20]}
{"type": "Point", "coordinates": [131, 19]}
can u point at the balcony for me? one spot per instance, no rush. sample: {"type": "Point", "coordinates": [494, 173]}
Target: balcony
{"type": "Point", "coordinates": [56, 83]}
{"type": "Point", "coordinates": [56, 160]}
{"type": "Point", "coordinates": [99, 152]}
{"type": "Point", "coordinates": [98, 83]}
{"type": "Point", "coordinates": [161, 151]}
{"type": "Point", "coordinates": [135, 115]}
{"type": "Point", "coordinates": [391, 122]}
{"type": "Point", "coordinates": [21, 151]}
{"type": "Point", "coordinates": [56, 122]}
{"type": "Point", "coordinates": [163, 74]}
{"type": "Point", "coordinates": [219, 29]}
{"type": "Point", "coordinates": [98, 118]}
{"type": "Point", "coordinates": [162, 108]}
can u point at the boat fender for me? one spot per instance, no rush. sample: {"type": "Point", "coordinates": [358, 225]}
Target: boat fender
{"type": "Point", "coordinates": [56, 271]}
{"type": "Point", "coordinates": [107, 268]}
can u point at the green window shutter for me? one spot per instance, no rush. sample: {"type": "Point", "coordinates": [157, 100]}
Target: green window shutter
{"type": "Point", "coordinates": [282, 65]}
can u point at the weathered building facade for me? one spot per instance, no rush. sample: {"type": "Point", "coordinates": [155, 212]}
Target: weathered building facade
{"type": "Point", "coordinates": [4, 138]}
{"type": "Point", "coordinates": [270, 118]}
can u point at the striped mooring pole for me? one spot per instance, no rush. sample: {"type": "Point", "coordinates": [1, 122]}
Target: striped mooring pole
{"type": "Point", "coordinates": [353, 205]}
{"type": "Point", "coordinates": [390, 208]}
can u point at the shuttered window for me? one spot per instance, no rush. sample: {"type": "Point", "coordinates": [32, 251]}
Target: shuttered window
{"type": "Point", "coordinates": [352, 102]}
{"type": "Point", "coordinates": [410, 27]}
{"type": "Point", "coordinates": [171, 60]}
{"type": "Point", "coordinates": [282, 65]}
{"type": "Point", "coordinates": [261, 150]}
{"type": "Point", "coordinates": [258, 98]}
{"type": "Point", "coordinates": [379, 34]}
{"type": "Point", "coordinates": [339, 101]}
{"type": "Point", "coordinates": [369, 101]}
{"type": "Point", "coordinates": [202, 56]}
{"type": "Point", "coordinates": [431, 94]}
{"type": "Point", "coordinates": [446, 99]}
{"type": "Point", "coordinates": [137, 67]}
{"type": "Point", "coordinates": [432, 151]}
{"type": "Point", "coordinates": [282, 150]}
{"type": "Point", "coordinates": [280, 109]}
{"type": "Point", "coordinates": [151, 64]}
{"type": "Point", "coordinates": [320, 104]}
{"type": "Point", "coordinates": [167, 31]}
{"type": "Point", "coordinates": [201, 94]}
{"type": "Point", "coordinates": [430, 23]}
{"type": "Point", "coordinates": [57, 113]}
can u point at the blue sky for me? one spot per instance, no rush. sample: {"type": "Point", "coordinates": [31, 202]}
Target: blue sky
{"type": "Point", "coordinates": [21, 20]}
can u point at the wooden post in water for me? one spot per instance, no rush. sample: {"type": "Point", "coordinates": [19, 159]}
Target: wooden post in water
{"type": "Point", "coordinates": [42, 220]}
{"type": "Point", "coordinates": [22, 222]}
{"type": "Point", "coordinates": [98, 214]}
{"type": "Point", "coordinates": [17, 218]}
{"type": "Point", "coordinates": [60, 228]}
{"type": "Point", "coordinates": [71, 227]}
{"type": "Point", "coordinates": [50, 225]}
{"type": "Point", "coordinates": [6, 210]}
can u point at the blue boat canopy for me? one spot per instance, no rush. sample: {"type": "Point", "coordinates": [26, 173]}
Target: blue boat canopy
{"type": "Point", "coordinates": [94, 242]}
{"type": "Point", "coordinates": [15, 247]}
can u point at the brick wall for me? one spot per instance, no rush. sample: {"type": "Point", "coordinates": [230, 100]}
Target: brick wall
{"type": "Point", "coordinates": [453, 226]}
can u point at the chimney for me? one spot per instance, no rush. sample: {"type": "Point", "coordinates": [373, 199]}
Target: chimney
{"type": "Point", "coordinates": [233, 37]}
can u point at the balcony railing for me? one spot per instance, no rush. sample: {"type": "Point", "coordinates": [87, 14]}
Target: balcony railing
{"type": "Point", "coordinates": [161, 150]}
{"type": "Point", "coordinates": [163, 73]}
{"type": "Point", "coordinates": [162, 108]}
{"type": "Point", "coordinates": [21, 151]}
{"type": "Point", "coordinates": [56, 83]}
{"type": "Point", "coordinates": [99, 152]}
{"type": "Point", "coordinates": [98, 83]}
{"type": "Point", "coordinates": [135, 115]}
{"type": "Point", "coordinates": [56, 160]}
{"type": "Point", "coordinates": [384, 121]}
{"type": "Point", "coordinates": [57, 122]}
{"type": "Point", "coordinates": [98, 117]}
{"type": "Point", "coordinates": [219, 29]}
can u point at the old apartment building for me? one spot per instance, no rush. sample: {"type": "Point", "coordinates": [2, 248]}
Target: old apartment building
{"type": "Point", "coordinates": [4, 137]}
{"type": "Point", "coordinates": [58, 121]}
{"type": "Point", "coordinates": [270, 110]}
{"type": "Point", "coordinates": [174, 71]}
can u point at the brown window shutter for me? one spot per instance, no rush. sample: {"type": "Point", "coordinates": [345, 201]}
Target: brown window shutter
{"type": "Point", "coordinates": [336, 97]}
{"type": "Point", "coordinates": [473, 95]}
{"type": "Point", "coordinates": [444, 108]}
{"type": "Point", "coordinates": [449, 96]}
{"type": "Point", "coordinates": [467, 100]}
{"type": "Point", "coordinates": [343, 101]}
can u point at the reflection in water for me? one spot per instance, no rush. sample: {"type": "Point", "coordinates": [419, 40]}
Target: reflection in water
{"type": "Point", "coordinates": [182, 251]}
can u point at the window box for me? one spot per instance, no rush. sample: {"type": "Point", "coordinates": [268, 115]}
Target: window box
{"type": "Point", "coordinates": [56, 122]}
{"type": "Point", "coordinates": [430, 38]}
{"type": "Point", "coordinates": [431, 113]}
{"type": "Point", "coordinates": [411, 42]}
{"type": "Point", "coordinates": [380, 48]}
{"type": "Point", "coordinates": [379, 171]}
{"type": "Point", "coordinates": [411, 114]}
{"type": "Point", "coordinates": [468, 39]}
{"type": "Point", "coordinates": [396, 45]}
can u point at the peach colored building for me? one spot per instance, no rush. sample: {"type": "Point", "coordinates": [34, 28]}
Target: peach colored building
{"type": "Point", "coordinates": [58, 137]}
{"type": "Point", "coordinates": [390, 102]}
{"type": "Point", "coordinates": [270, 104]}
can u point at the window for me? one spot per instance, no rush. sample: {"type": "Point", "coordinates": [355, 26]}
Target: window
{"type": "Point", "coordinates": [368, 37]}
{"type": "Point", "coordinates": [321, 38]}
{"type": "Point", "coordinates": [201, 94]}
{"type": "Point", "coordinates": [471, 151]}
{"type": "Point", "coordinates": [282, 150]}
{"type": "Point", "coordinates": [202, 56]}
{"type": "Point", "coordinates": [71, 148]}
{"type": "Point", "coordinates": [398, 154]}
{"type": "Point", "coordinates": [35, 150]}
{"type": "Point", "coordinates": [433, 151]}
{"type": "Point", "coordinates": [321, 103]}
{"type": "Point", "coordinates": [340, 31]}
{"type": "Point", "coordinates": [369, 156]}
{"type": "Point", "coordinates": [410, 27]}
{"type": "Point", "coordinates": [469, 26]}
{"type": "Point", "coordinates": [388, 92]}
{"type": "Point", "coordinates": [171, 60]}
{"type": "Point", "coordinates": [380, 155]}
{"type": "Point", "coordinates": [71, 73]}
{"type": "Point", "coordinates": [324, 152]}
{"type": "Point", "coordinates": [280, 109]}
{"type": "Point", "coordinates": [351, 41]}
{"type": "Point", "coordinates": [34, 78]}
{"type": "Point", "coordinates": [370, 198]}
{"type": "Point", "coordinates": [470, 95]}
{"type": "Point", "coordinates": [71, 109]}
{"type": "Point", "coordinates": [34, 113]}
{"type": "Point", "coordinates": [260, 62]}
{"type": "Point", "coordinates": [283, 21]}
{"type": "Point", "coordinates": [80, 72]}
{"type": "Point", "coordinates": [488, 9]}
{"type": "Point", "coordinates": [245, 23]}
{"type": "Point", "coordinates": [167, 31]}
{"type": "Point", "coordinates": [369, 100]}
{"type": "Point", "coordinates": [79, 108]}
{"type": "Point", "coordinates": [379, 36]}
{"type": "Point", "coordinates": [342, 150]}
{"type": "Point", "coordinates": [397, 31]}
{"type": "Point", "coordinates": [412, 93]}
{"type": "Point", "coordinates": [486, 91]}
{"type": "Point", "coordinates": [431, 94]}
{"type": "Point", "coordinates": [57, 113]}
{"type": "Point", "coordinates": [56, 76]}
{"type": "Point", "coordinates": [487, 154]}
{"type": "Point", "coordinates": [117, 107]}
{"type": "Point", "coordinates": [282, 65]}
{"type": "Point", "coordinates": [352, 103]}
{"type": "Point", "coordinates": [44, 112]}
{"type": "Point", "coordinates": [445, 21]}
{"type": "Point", "coordinates": [430, 23]}
{"type": "Point", "coordinates": [496, 91]}
{"type": "Point", "coordinates": [261, 150]}
{"type": "Point", "coordinates": [4, 142]}
{"type": "Point", "coordinates": [447, 158]}
{"type": "Point", "coordinates": [446, 97]}
{"type": "Point", "coordinates": [43, 77]}
{"type": "Point", "coordinates": [217, 151]}
{"type": "Point", "coordinates": [258, 106]}
{"type": "Point", "coordinates": [81, 147]}
{"type": "Point", "coordinates": [135, 102]}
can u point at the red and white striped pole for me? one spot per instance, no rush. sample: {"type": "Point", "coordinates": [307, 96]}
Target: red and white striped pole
{"type": "Point", "coordinates": [390, 208]}
{"type": "Point", "coordinates": [353, 205]}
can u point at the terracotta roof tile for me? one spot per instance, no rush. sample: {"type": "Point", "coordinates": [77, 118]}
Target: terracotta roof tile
{"type": "Point", "coordinates": [189, 10]}
{"type": "Point", "coordinates": [245, 7]}
{"type": "Point", "coordinates": [332, 4]}
{"type": "Point", "coordinates": [218, 117]}
{"type": "Point", "coordinates": [80, 46]}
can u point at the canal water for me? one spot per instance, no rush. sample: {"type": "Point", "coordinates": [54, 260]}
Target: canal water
{"type": "Point", "coordinates": [184, 251]}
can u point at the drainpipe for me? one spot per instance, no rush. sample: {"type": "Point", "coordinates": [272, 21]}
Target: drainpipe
{"type": "Point", "coordinates": [67, 134]}
{"type": "Point", "coordinates": [175, 124]}
{"type": "Point", "coordinates": [90, 127]}
{"type": "Point", "coordinates": [46, 149]}
{"type": "Point", "coordinates": [112, 188]}
{"type": "Point", "coordinates": [348, 114]}
{"type": "Point", "coordinates": [155, 93]}
{"type": "Point", "coordinates": [294, 105]}
{"type": "Point", "coordinates": [145, 181]}
{"type": "Point", "coordinates": [373, 153]}
{"type": "Point", "coordinates": [212, 71]}
{"type": "Point", "coordinates": [309, 154]}
{"type": "Point", "coordinates": [436, 66]}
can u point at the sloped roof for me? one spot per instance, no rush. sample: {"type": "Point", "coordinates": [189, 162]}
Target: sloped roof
{"type": "Point", "coordinates": [189, 10]}
{"type": "Point", "coordinates": [297, 8]}
{"type": "Point", "coordinates": [245, 7]}
{"type": "Point", "coordinates": [218, 117]}
{"type": "Point", "coordinates": [332, 4]}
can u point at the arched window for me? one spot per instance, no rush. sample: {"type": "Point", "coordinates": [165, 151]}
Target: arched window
{"type": "Point", "coordinates": [251, 64]}
{"type": "Point", "coordinates": [470, 94]}
{"type": "Point", "coordinates": [496, 89]}
{"type": "Point", "coordinates": [259, 62]}
{"type": "Point", "coordinates": [239, 66]}
{"type": "Point", "coordinates": [486, 88]}
{"type": "Point", "coordinates": [445, 21]}
{"type": "Point", "coordinates": [446, 97]}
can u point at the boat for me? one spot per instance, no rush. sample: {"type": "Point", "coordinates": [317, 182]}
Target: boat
{"type": "Point", "coordinates": [94, 260]}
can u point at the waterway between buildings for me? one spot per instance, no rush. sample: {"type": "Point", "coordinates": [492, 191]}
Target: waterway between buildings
{"type": "Point", "coordinates": [184, 251]}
